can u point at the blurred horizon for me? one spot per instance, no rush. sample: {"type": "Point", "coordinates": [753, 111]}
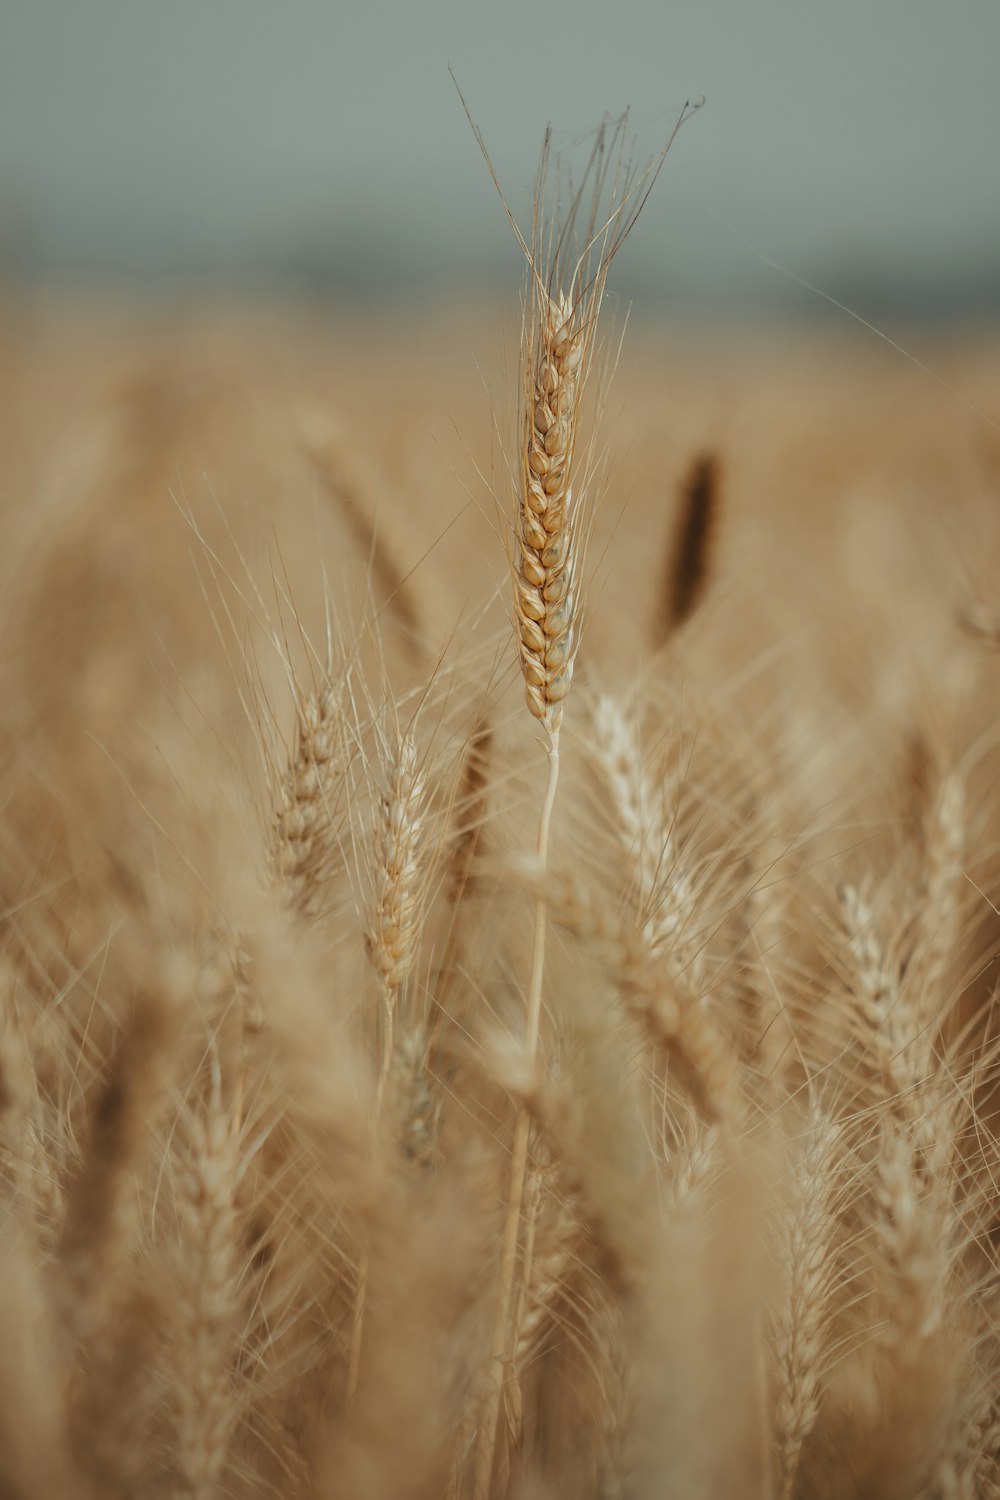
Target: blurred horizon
{"type": "Point", "coordinates": [246, 149]}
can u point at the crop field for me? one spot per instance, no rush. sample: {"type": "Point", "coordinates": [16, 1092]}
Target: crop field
{"type": "Point", "coordinates": [499, 843]}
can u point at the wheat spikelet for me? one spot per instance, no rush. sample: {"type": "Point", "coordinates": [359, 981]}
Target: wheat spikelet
{"type": "Point", "coordinates": [801, 1326]}
{"type": "Point", "coordinates": [206, 1168]}
{"type": "Point", "coordinates": [548, 1245]}
{"type": "Point", "coordinates": [914, 1225]}
{"type": "Point", "coordinates": [641, 819]}
{"type": "Point", "coordinates": [914, 1132]}
{"type": "Point", "coordinates": [645, 825]}
{"type": "Point", "coordinates": [672, 1012]}
{"type": "Point", "coordinates": [306, 815]}
{"type": "Point", "coordinates": [391, 940]}
{"type": "Point", "coordinates": [394, 915]}
{"type": "Point", "coordinates": [416, 1099]}
{"type": "Point", "coordinates": [546, 524]}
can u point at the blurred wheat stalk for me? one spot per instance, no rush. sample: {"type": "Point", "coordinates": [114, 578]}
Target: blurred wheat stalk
{"type": "Point", "coordinates": [374, 1125]}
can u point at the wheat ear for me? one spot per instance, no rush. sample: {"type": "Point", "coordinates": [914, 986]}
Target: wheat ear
{"type": "Point", "coordinates": [394, 915]}
{"type": "Point", "coordinates": [208, 1170]}
{"type": "Point", "coordinates": [801, 1327]}
{"type": "Point", "coordinates": [305, 829]}
{"type": "Point", "coordinates": [667, 1006]}
{"type": "Point", "coordinates": [391, 944]}
{"type": "Point", "coordinates": [543, 564]}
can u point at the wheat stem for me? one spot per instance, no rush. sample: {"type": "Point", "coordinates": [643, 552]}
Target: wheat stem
{"type": "Point", "coordinates": [503, 1336]}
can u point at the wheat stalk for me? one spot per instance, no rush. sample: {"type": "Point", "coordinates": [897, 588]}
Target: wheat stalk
{"type": "Point", "coordinates": [801, 1325]}
{"type": "Point", "coordinates": [391, 942]}
{"type": "Point", "coordinates": [563, 305]}
{"type": "Point", "coordinates": [207, 1170]}
{"type": "Point", "coordinates": [307, 802]}
{"type": "Point", "coordinates": [393, 931]}
{"type": "Point", "coordinates": [564, 302]}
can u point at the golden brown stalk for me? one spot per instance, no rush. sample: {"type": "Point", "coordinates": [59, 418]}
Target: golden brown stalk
{"type": "Point", "coordinates": [306, 817]}
{"type": "Point", "coordinates": [417, 1104]}
{"type": "Point", "coordinates": [885, 1019]}
{"type": "Point", "coordinates": [643, 823]}
{"type": "Point", "coordinates": [391, 943]}
{"type": "Point", "coordinates": [209, 1268]}
{"type": "Point", "coordinates": [394, 914]}
{"type": "Point", "coordinates": [567, 275]}
{"type": "Point", "coordinates": [918, 1107]}
{"type": "Point", "coordinates": [668, 1007]}
{"type": "Point", "coordinates": [544, 559]}
{"type": "Point", "coordinates": [801, 1325]}
{"type": "Point", "coordinates": [914, 1227]}
{"type": "Point", "coordinates": [551, 1230]}
{"type": "Point", "coordinates": [900, 985]}
{"type": "Point", "coordinates": [690, 557]}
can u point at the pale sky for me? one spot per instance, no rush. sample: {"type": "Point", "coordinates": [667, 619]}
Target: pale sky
{"type": "Point", "coordinates": [855, 142]}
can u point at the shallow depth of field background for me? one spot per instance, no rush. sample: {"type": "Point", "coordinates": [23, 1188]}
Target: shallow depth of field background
{"type": "Point", "coordinates": [321, 147]}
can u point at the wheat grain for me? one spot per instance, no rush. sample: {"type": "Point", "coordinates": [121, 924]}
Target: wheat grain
{"type": "Point", "coordinates": [307, 810]}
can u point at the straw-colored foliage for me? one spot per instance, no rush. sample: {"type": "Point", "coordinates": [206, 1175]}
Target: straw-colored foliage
{"type": "Point", "coordinates": [384, 1119]}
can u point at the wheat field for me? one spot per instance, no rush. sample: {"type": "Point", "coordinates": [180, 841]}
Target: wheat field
{"type": "Point", "coordinates": [497, 933]}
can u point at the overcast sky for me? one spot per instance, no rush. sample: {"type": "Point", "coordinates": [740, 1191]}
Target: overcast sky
{"type": "Point", "coordinates": [855, 142]}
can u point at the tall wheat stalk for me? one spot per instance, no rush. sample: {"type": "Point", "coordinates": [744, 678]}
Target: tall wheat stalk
{"type": "Point", "coordinates": [568, 262]}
